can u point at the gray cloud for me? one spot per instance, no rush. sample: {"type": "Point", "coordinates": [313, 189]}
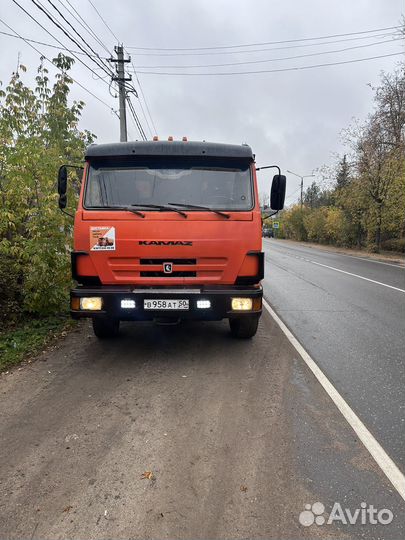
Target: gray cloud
{"type": "Point", "coordinates": [291, 118]}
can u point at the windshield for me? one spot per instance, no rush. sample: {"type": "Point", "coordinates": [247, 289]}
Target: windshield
{"type": "Point", "coordinates": [215, 186]}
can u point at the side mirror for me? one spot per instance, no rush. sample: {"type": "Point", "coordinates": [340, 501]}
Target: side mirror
{"type": "Point", "coordinates": [277, 195]}
{"type": "Point", "coordinates": [62, 186]}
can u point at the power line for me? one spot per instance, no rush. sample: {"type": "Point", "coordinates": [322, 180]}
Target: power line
{"type": "Point", "coordinates": [146, 103]}
{"type": "Point", "coordinates": [54, 64]}
{"type": "Point", "coordinates": [136, 119]}
{"type": "Point", "coordinates": [142, 109]}
{"type": "Point", "coordinates": [77, 33]}
{"type": "Point", "coordinates": [263, 42]}
{"type": "Point", "coordinates": [298, 68]}
{"type": "Point", "coordinates": [271, 59]}
{"type": "Point", "coordinates": [139, 125]}
{"type": "Point", "coordinates": [284, 47]}
{"type": "Point", "coordinates": [48, 32]}
{"type": "Point", "coordinates": [60, 27]}
{"type": "Point", "coordinates": [76, 15]}
{"type": "Point", "coordinates": [45, 44]}
{"type": "Point", "coordinates": [102, 18]}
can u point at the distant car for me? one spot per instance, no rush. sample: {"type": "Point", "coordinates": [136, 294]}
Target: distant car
{"type": "Point", "coordinates": [268, 233]}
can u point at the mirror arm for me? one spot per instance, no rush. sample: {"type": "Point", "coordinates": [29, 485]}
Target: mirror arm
{"type": "Point", "coordinates": [271, 215]}
{"type": "Point", "coordinates": [73, 166]}
{"type": "Point", "coordinates": [67, 213]}
{"type": "Point", "coordinates": [269, 167]}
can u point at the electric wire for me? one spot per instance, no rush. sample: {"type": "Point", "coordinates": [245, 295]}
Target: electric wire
{"type": "Point", "coordinates": [146, 104]}
{"type": "Point", "coordinates": [280, 70]}
{"type": "Point", "coordinates": [130, 104]}
{"type": "Point", "coordinates": [136, 118]}
{"type": "Point", "coordinates": [79, 35]}
{"type": "Point", "coordinates": [284, 47]}
{"type": "Point", "coordinates": [76, 15]}
{"type": "Point", "coordinates": [45, 44]}
{"type": "Point", "coordinates": [60, 27]}
{"type": "Point", "coordinates": [263, 42]}
{"type": "Point", "coordinates": [56, 39]}
{"type": "Point", "coordinates": [105, 23]}
{"type": "Point", "coordinates": [55, 65]}
{"type": "Point", "coordinates": [271, 59]}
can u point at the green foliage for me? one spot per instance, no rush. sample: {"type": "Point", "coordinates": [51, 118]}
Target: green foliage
{"type": "Point", "coordinates": [38, 132]}
{"type": "Point", "coordinates": [29, 338]}
{"type": "Point", "coordinates": [366, 206]}
{"type": "Point", "coordinates": [293, 223]}
{"type": "Point", "coordinates": [343, 173]}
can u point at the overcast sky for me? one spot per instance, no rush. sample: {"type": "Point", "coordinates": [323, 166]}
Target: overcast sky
{"type": "Point", "coordinates": [291, 118]}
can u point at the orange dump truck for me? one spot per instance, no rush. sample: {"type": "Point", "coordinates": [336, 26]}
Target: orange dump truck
{"type": "Point", "coordinates": [167, 231]}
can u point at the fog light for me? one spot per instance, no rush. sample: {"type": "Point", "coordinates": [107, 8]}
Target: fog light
{"type": "Point", "coordinates": [203, 304]}
{"type": "Point", "coordinates": [94, 303]}
{"type": "Point", "coordinates": [128, 304]}
{"type": "Point", "coordinates": [242, 304]}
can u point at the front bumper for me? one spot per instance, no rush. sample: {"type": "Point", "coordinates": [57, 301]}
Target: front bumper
{"type": "Point", "coordinates": [220, 299]}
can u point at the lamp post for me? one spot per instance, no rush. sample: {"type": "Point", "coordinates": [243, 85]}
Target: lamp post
{"type": "Point", "coordinates": [302, 181]}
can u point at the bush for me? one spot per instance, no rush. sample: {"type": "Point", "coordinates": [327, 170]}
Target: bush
{"type": "Point", "coordinates": [10, 290]}
{"type": "Point", "coordinates": [395, 244]}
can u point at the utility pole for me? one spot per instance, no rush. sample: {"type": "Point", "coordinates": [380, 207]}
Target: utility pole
{"type": "Point", "coordinates": [302, 183]}
{"type": "Point", "coordinates": [121, 79]}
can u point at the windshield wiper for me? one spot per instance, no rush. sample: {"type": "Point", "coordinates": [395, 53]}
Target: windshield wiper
{"type": "Point", "coordinates": [127, 208]}
{"type": "Point", "coordinates": [160, 207]}
{"type": "Point", "coordinates": [196, 206]}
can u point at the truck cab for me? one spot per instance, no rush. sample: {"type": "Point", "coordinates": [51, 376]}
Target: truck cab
{"type": "Point", "coordinates": [166, 231]}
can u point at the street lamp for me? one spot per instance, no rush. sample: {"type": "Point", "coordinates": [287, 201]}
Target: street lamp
{"type": "Point", "coordinates": [302, 180]}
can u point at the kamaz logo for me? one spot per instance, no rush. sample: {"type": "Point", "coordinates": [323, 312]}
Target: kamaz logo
{"type": "Point", "coordinates": [163, 243]}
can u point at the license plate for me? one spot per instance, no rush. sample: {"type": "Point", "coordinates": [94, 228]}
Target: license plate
{"type": "Point", "coordinates": [164, 304]}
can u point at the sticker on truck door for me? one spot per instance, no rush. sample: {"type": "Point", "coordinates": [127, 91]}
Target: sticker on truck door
{"type": "Point", "coordinates": [102, 238]}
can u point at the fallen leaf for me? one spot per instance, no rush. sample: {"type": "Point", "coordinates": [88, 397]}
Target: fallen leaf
{"type": "Point", "coordinates": [147, 475]}
{"type": "Point", "coordinates": [68, 508]}
{"type": "Point", "coordinates": [243, 488]}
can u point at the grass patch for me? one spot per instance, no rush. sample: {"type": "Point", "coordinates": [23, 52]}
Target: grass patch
{"type": "Point", "coordinates": [29, 337]}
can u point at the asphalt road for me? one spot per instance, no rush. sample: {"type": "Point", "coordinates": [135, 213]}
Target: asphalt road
{"type": "Point", "coordinates": [238, 437]}
{"type": "Point", "coordinates": [352, 327]}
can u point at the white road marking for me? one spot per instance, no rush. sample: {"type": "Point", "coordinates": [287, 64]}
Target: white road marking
{"type": "Point", "coordinates": [356, 275]}
{"type": "Point", "coordinates": [400, 265]}
{"type": "Point", "coordinates": [382, 459]}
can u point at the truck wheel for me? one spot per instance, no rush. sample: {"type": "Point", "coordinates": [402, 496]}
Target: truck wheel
{"type": "Point", "coordinates": [244, 327]}
{"type": "Point", "coordinates": [105, 328]}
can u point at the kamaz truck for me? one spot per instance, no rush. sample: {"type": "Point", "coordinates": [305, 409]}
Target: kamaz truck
{"type": "Point", "coordinates": [168, 231]}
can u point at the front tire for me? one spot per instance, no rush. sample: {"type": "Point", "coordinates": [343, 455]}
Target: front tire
{"type": "Point", "coordinates": [106, 328]}
{"type": "Point", "coordinates": [244, 327]}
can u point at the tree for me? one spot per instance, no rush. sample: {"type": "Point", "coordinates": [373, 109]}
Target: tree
{"type": "Point", "coordinates": [311, 195]}
{"type": "Point", "coordinates": [343, 173]}
{"type": "Point", "coordinates": [38, 132]}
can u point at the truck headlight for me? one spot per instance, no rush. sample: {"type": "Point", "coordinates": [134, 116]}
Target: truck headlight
{"type": "Point", "coordinates": [242, 304]}
{"type": "Point", "coordinates": [91, 303]}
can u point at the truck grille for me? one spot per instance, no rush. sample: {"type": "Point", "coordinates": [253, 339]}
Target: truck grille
{"type": "Point", "coordinates": [173, 261]}
{"type": "Point", "coordinates": [174, 273]}
{"type": "Point", "coordinates": [125, 269]}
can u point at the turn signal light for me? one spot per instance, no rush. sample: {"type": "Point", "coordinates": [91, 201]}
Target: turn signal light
{"type": "Point", "coordinates": [242, 304]}
{"type": "Point", "coordinates": [91, 303]}
{"type": "Point", "coordinates": [75, 303]}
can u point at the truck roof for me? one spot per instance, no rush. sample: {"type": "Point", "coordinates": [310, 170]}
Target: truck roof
{"type": "Point", "coordinates": [169, 148]}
